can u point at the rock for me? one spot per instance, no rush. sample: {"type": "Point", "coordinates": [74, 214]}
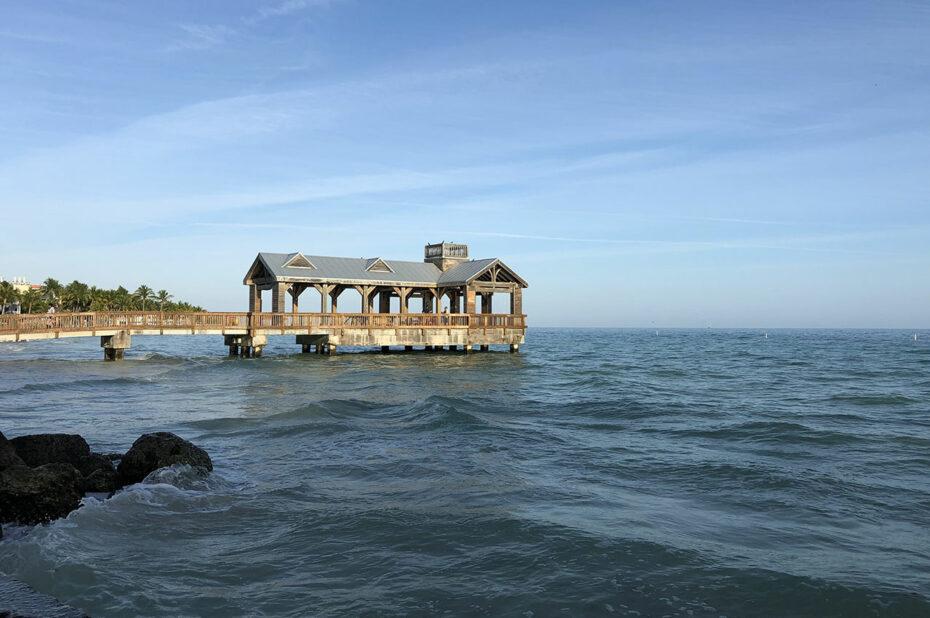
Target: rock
{"type": "Point", "coordinates": [103, 481]}
{"type": "Point", "coordinates": [89, 464]}
{"type": "Point", "coordinates": [114, 456]}
{"type": "Point", "coordinates": [45, 448]}
{"type": "Point", "coordinates": [8, 456]}
{"type": "Point", "coordinates": [38, 495]}
{"type": "Point", "coordinates": [158, 450]}
{"type": "Point", "coordinates": [99, 473]}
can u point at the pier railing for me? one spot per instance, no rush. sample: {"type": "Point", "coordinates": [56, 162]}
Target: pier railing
{"type": "Point", "coordinates": [213, 321]}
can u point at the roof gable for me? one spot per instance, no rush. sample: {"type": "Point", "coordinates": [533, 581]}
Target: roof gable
{"type": "Point", "coordinates": [298, 260]}
{"type": "Point", "coordinates": [492, 270]}
{"type": "Point", "coordinates": [378, 265]}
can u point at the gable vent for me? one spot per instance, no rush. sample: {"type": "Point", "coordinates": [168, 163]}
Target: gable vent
{"type": "Point", "coordinates": [298, 261]}
{"type": "Point", "coordinates": [378, 265]}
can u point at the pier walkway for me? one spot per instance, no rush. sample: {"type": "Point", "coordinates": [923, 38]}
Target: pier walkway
{"type": "Point", "coordinates": [246, 333]}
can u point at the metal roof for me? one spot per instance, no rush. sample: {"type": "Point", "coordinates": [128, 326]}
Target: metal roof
{"type": "Point", "coordinates": [463, 271]}
{"type": "Point", "coordinates": [355, 270]}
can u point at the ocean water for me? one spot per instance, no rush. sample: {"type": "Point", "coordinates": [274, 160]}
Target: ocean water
{"type": "Point", "coordinates": [595, 473]}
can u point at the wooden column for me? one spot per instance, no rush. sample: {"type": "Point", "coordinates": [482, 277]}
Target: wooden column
{"type": "Point", "coordinates": [278, 297]}
{"type": "Point", "coordinates": [384, 302]}
{"type": "Point", "coordinates": [429, 296]}
{"type": "Point", "coordinates": [295, 291]}
{"type": "Point", "coordinates": [516, 300]}
{"type": "Point", "coordinates": [255, 298]}
{"type": "Point", "coordinates": [404, 295]}
{"type": "Point", "coordinates": [367, 294]}
{"type": "Point", "coordinates": [334, 296]}
{"type": "Point", "coordinates": [324, 290]}
{"type": "Point", "coordinates": [469, 300]}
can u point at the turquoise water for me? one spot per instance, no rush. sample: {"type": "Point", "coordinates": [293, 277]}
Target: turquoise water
{"type": "Point", "coordinates": [597, 472]}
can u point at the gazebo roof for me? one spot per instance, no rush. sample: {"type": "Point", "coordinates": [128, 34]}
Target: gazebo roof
{"type": "Point", "coordinates": [297, 267]}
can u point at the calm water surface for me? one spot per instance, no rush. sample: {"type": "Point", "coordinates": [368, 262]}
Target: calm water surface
{"type": "Point", "coordinates": [598, 472]}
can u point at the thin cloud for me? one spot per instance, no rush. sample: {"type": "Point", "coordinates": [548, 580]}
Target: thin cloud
{"type": "Point", "coordinates": [203, 36]}
{"type": "Point", "coordinates": [736, 220]}
{"type": "Point", "coordinates": [791, 243]}
{"type": "Point", "coordinates": [286, 8]}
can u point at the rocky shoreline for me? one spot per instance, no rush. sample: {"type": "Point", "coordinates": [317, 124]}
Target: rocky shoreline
{"type": "Point", "coordinates": [44, 476]}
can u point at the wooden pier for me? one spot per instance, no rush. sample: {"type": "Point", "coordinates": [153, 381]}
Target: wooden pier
{"type": "Point", "coordinates": [249, 332]}
{"type": "Point", "coordinates": [447, 284]}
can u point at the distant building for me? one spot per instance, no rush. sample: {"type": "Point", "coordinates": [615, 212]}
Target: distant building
{"type": "Point", "coordinates": [21, 286]}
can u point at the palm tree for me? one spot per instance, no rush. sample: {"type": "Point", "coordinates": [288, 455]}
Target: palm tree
{"type": "Point", "coordinates": [122, 299]}
{"type": "Point", "coordinates": [76, 296]}
{"type": "Point", "coordinates": [51, 291]}
{"type": "Point", "coordinates": [7, 294]}
{"type": "Point", "coordinates": [163, 297]}
{"type": "Point", "coordinates": [144, 293]}
{"type": "Point", "coordinates": [30, 299]}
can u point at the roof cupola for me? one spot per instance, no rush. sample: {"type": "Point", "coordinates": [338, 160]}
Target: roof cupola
{"type": "Point", "coordinates": [445, 255]}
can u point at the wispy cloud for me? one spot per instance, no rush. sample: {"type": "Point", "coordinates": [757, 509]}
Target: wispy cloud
{"type": "Point", "coordinates": [203, 36]}
{"type": "Point", "coordinates": [737, 220]}
{"type": "Point", "coordinates": [815, 243]}
{"type": "Point", "coordinates": [286, 8]}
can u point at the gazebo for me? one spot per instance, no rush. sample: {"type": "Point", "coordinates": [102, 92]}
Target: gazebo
{"type": "Point", "coordinates": [445, 281]}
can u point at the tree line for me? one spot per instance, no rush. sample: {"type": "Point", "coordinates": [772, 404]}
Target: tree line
{"type": "Point", "coordinates": [77, 297]}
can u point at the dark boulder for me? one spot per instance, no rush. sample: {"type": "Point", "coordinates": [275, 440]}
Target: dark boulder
{"type": "Point", "coordinates": [38, 495]}
{"type": "Point", "coordinates": [89, 464]}
{"type": "Point", "coordinates": [8, 456]}
{"type": "Point", "coordinates": [99, 473]}
{"type": "Point", "coordinates": [46, 448]}
{"type": "Point", "coordinates": [158, 450]}
{"type": "Point", "coordinates": [103, 481]}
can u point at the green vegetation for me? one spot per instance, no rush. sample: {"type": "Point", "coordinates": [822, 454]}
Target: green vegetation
{"type": "Point", "coordinates": [77, 297]}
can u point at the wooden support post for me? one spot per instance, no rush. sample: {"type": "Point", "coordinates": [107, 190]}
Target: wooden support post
{"type": "Point", "coordinates": [278, 297]}
{"type": "Point", "coordinates": [334, 297]}
{"type": "Point", "coordinates": [324, 289]}
{"type": "Point", "coordinates": [516, 300]}
{"type": "Point", "coordinates": [404, 294]}
{"type": "Point", "coordinates": [484, 348]}
{"type": "Point", "coordinates": [466, 349]}
{"type": "Point", "coordinates": [367, 294]}
{"type": "Point", "coordinates": [469, 300]}
{"type": "Point", "coordinates": [234, 350]}
{"type": "Point", "coordinates": [330, 349]}
{"type": "Point", "coordinates": [514, 348]}
{"type": "Point", "coordinates": [408, 348]}
{"type": "Point", "coordinates": [257, 351]}
{"type": "Point", "coordinates": [305, 348]}
{"type": "Point", "coordinates": [255, 299]}
{"type": "Point", "coordinates": [295, 291]}
{"type": "Point", "coordinates": [385, 349]}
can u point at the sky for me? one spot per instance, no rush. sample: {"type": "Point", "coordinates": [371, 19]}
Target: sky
{"type": "Point", "coordinates": [640, 164]}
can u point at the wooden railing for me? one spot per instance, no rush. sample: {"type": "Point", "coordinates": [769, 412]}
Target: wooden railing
{"type": "Point", "coordinates": [189, 321]}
